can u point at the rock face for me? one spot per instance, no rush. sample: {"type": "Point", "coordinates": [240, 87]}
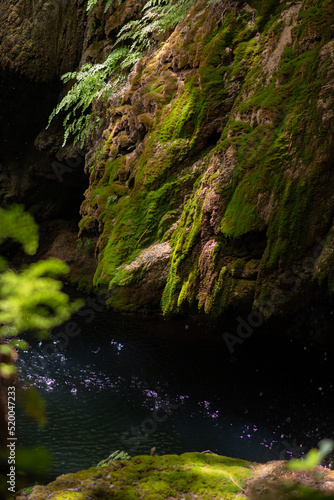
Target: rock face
{"type": "Point", "coordinates": [39, 41]}
{"type": "Point", "coordinates": [42, 39]}
{"type": "Point", "coordinates": [211, 186]}
{"type": "Point", "coordinates": [221, 147]}
{"type": "Point", "coordinates": [142, 282]}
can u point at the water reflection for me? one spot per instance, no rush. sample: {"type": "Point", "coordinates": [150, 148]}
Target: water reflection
{"type": "Point", "coordinates": [118, 388]}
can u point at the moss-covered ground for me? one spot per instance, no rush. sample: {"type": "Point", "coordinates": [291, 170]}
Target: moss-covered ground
{"type": "Point", "coordinates": [191, 475]}
{"type": "Point", "coordinates": [202, 476]}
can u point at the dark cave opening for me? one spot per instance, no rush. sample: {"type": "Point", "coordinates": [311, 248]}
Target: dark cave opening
{"type": "Point", "coordinates": [35, 170]}
{"type": "Point", "coordinates": [25, 107]}
{"type": "Point", "coordinates": [30, 171]}
{"type": "Point", "coordinates": [213, 139]}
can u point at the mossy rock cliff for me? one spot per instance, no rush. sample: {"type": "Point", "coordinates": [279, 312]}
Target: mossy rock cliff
{"type": "Point", "coordinates": [210, 174]}
{"type": "Point", "coordinates": [211, 186]}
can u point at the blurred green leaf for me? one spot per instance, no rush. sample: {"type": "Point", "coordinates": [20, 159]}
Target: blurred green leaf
{"type": "Point", "coordinates": [307, 463]}
{"type": "Point", "coordinates": [326, 447]}
{"type": "Point", "coordinates": [313, 458]}
{"type": "Point", "coordinates": [34, 405]}
{"type": "Point", "coordinates": [29, 300]}
{"type": "Point", "coordinates": [5, 349]}
{"type": "Point", "coordinates": [20, 227]}
{"type": "Point", "coordinates": [35, 462]}
{"type": "Point", "coordinates": [7, 370]}
{"type": "Point", "coordinates": [20, 344]}
{"type": "Point", "coordinates": [33, 300]}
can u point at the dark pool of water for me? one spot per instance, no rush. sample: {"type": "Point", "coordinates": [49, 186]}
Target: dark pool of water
{"type": "Point", "coordinates": [117, 386]}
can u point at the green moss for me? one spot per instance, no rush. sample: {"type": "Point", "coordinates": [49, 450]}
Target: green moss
{"type": "Point", "coordinates": [146, 119]}
{"type": "Point", "coordinates": [177, 122]}
{"type": "Point", "coordinates": [183, 242]}
{"type": "Point", "coordinates": [69, 495]}
{"type": "Point", "coordinates": [241, 215]}
{"type": "Point", "coordinates": [267, 150]}
{"type": "Point", "coordinates": [136, 226]}
{"type": "Point", "coordinates": [237, 267]}
{"type": "Point", "coordinates": [291, 222]}
{"type": "Point", "coordinates": [125, 276]}
{"type": "Point", "coordinates": [86, 222]}
{"type": "Point", "coordinates": [191, 474]}
{"type": "Point", "coordinates": [188, 291]}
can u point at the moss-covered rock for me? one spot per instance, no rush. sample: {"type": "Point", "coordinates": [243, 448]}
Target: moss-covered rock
{"type": "Point", "coordinates": [223, 145]}
{"type": "Point", "coordinates": [191, 475]}
{"type": "Point", "coordinates": [202, 476]}
{"type": "Point", "coordinates": [219, 147]}
{"type": "Point", "coordinates": [139, 285]}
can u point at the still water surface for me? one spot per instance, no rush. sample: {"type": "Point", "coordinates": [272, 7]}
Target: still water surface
{"type": "Point", "coordinates": [118, 386]}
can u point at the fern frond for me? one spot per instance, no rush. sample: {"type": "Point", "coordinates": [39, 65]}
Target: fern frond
{"type": "Point", "coordinates": [97, 81]}
{"type": "Point", "coordinates": [109, 2]}
{"type": "Point", "coordinates": [91, 4]}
